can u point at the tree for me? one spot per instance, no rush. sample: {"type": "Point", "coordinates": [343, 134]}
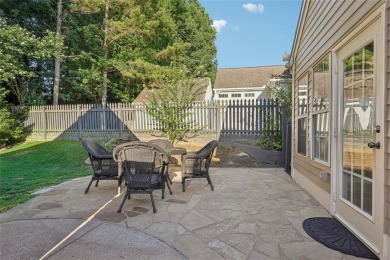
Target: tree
{"type": "Point", "coordinates": [95, 6]}
{"type": "Point", "coordinates": [170, 106]}
{"type": "Point", "coordinates": [282, 91]}
{"type": "Point", "coordinates": [113, 48]}
{"type": "Point", "coordinates": [20, 52]}
{"type": "Point", "coordinates": [193, 39]}
{"type": "Point", "coordinates": [148, 41]}
{"type": "Point", "coordinates": [38, 18]}
{"type": "Point", "coordinates": [57, 62]}
{"type": "Point", "coordinates": [202, 37]}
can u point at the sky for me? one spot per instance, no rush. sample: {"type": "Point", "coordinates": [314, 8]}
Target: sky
{"type": "Point", "coordinates": [253, 33]}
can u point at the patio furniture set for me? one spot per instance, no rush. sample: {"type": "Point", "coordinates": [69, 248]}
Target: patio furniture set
{"type": "Point", "coordinates": [144, 165]}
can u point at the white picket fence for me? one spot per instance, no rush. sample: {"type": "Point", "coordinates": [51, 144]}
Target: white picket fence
{"type": "Point", "coordinates": [125, 119]}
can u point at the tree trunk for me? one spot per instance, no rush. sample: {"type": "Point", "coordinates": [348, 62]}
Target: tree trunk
{"type": "Point", "coordinates": [105, 49]}
{"type": "Point", "coordinates": [57, 62]}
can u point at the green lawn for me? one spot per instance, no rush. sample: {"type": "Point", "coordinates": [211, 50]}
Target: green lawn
{"type": "Point", "coordinates": [32, 166]}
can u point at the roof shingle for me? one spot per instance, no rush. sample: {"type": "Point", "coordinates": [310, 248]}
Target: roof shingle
{"type": "Point", "coordinates": [248, 77]}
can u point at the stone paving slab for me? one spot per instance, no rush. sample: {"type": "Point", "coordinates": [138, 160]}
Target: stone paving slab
{"type": "Point", "coordinates": [253, 213]}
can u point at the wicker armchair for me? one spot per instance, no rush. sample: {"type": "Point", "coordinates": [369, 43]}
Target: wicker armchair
{"type": "Point", "coordinates": [196, 164]}
{"type": "Point", "coordinates": [103, 165]}
{"type": "Point", "coordinates": [144, 167]}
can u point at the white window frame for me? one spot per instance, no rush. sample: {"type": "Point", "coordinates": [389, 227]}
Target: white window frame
{"type": "Point", "coordinates": [321, 111]}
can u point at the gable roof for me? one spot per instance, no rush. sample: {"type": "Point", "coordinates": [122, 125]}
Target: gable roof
{"type": "Point", "coordinates": [247, 77]}
{"type": "Point", "coordinates": [146, 92]}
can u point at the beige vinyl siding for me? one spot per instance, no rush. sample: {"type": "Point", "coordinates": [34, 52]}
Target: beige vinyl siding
{"type": "Point", "coordinates": [327, 23]}
{"type": "Point", "coordinates": [387, 127]}
{"type": "Point", "coordinates": [311, 170]}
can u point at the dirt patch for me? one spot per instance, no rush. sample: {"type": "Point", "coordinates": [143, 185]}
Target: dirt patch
{"type": "Point", "coordinates": [227, 155]}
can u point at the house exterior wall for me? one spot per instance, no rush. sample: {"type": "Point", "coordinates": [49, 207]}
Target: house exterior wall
{"type": "Point", "coordinates": [327, 24]}
{"type": "Point", "coordinates": [247, 82]}
{"type": "Point", "coordinates": [245, 93]}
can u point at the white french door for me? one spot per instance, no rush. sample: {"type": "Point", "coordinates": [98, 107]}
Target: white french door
{"type": "Point", "coordinates": [359, 181]}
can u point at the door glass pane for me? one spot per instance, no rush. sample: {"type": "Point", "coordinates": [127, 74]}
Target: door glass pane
{"type": "Point", "coordinates": [357, 191]}
{"type": "Point", "coordinates": [348, 70]}
{"type": "Point", "coordinates": [367, 161]}
{"type": "Point", "coordinates": [347, 186]}
{"type": "Point", "coordinates": [357, 66]}
{"type": "Point", "coordinates": [367, 200]}
{"type": "Point", "coordinates": [358, 127]}
{"type": "Point", "coordinates": [368, 65]}
{"type": "Point", "coordinates": [347, 153]}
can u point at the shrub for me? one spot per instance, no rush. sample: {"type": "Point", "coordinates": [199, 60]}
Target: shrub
{"type": "Point", "coordinates": [282, 91]}
{"type": "Point", "coordinates": [12, 127]}
{"type": "Point", "coordinates": [270, 141]}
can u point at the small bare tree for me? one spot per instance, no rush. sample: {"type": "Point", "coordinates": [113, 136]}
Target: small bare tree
{"type": "Point", "coordinates": [170, 107]}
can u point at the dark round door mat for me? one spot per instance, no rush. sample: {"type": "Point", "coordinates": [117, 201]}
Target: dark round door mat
{"type": "Point", "coordinates": [331, 233]}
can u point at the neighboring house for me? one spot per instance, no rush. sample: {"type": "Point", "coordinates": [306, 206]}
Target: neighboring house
{"type": "Point", "coordinates": [204, 87]}
{"type": "Point", "coordinates": [246, 83]}
{"type": "Point", "coordinates": [202, 91]}
{"type": "Point", "coordinates": [341, 75]}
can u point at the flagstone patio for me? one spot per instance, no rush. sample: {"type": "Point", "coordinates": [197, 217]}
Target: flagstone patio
{"type": "Point", "coordinates": [254, 213]}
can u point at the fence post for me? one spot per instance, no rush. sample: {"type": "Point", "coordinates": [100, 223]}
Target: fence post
{"type": "Point", "coordinates": [120, 120]}
{"type": "Point", "coordinates": [104, 114]}
{"type": "Point", "coordinates": [79, 121]}
{"type": "Point", "coordinates": [287, 165]}
{"type": "Point", "coordinates": [44, 116]}
{"type": "Point", "coordinates": [217, 119]}
{"type": "Point", "coordinates": [284, 137]}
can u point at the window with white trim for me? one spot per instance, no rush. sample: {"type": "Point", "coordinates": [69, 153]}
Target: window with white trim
{"type": "Point", "coordinates": [236, 95]}
{"type": "Point", "coordinates": [302, 93]}
{"type": "Point", "coordinates": [249, 94]}
{"type": "Point", "coordinates": [223, 95]}
{"type": "Point", "coordinates": [320, 110]}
